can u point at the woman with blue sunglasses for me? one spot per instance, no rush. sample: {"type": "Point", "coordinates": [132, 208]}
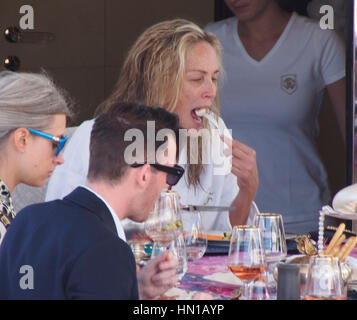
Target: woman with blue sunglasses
{"type": "Point", "coordinates": [33, 115]}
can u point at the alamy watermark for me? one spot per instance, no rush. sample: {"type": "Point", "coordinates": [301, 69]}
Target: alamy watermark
{"type": "Point", "coordinates": [188, 139]}
{"type": "Point", "coordinates": [27, 21]}
{"type": "Point", "coordinates": [26, 281]}
{"type": "Point", "coordinates": [28, 18]}
{"type": "Point", "coordinates": [327, 21]}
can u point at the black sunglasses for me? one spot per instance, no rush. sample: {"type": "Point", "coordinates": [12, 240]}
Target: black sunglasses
{"type": "Point", "coordinates": [174, 173]}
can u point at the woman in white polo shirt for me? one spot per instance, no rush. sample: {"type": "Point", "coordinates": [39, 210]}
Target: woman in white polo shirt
{"type": "Point", "coordinates": [278, 65]}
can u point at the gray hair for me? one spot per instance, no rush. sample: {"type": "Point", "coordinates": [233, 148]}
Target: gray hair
{"type": "Point", "coordinates": [29, 100]}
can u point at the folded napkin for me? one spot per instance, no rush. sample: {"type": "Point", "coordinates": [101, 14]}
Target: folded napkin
{"type": "Point", "coordinates": [225, 277]}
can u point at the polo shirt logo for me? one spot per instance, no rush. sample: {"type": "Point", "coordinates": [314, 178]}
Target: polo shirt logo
{"type": "Point", "coordinates": [288, 83]}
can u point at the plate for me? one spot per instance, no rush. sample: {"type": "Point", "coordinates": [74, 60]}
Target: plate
{"type": "Point", "coordinates": [217, 236]}
{"type": "Point", "coordinates": [216, 244]}
{"type": "Point", "coordinates": [345, 201]}
{"type": "Point", "coordinates": [290, 236]}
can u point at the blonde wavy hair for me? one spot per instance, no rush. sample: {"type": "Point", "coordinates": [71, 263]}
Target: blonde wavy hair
{"type": "Point", "coordinates": [154, 70]}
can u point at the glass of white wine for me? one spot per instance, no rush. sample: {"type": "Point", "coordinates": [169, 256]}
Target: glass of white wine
{"type": "Point", "coordinates": [246, 258]}
{"type": "Point", "coordinates": [164, 227]}
{"type": "Point", "coordinates": [164, 223]}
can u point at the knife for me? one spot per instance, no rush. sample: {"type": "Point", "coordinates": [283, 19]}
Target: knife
{"type": "Point", "coordinates": [206, 208]}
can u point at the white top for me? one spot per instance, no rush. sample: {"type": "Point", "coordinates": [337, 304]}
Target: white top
{"type": "Point", "coordinates": [273, 106]}
{"type": "Point", "coordinates": [117, 223]}
{"type": "Point", "coordinates": [217, 189]}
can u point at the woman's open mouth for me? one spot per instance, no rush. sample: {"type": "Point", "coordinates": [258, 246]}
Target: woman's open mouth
{"type": "Point", "coordinates": [197, 114]}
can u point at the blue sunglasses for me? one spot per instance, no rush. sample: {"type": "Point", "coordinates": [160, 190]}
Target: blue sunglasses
{"type": "Point", "coordinates": [58, 142]}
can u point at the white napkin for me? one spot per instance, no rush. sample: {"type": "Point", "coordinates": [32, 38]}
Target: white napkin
{"type": "Point", "coordinates": [226, 277]}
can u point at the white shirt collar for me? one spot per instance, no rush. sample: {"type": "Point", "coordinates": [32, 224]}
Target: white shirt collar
{"type": "Point", "coordinates": [117, 222]}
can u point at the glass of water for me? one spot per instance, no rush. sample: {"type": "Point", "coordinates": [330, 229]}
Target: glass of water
{"type": "Point", "coordinates": [194, 235]}
{"type": "Point", "coordinates": [274, 243]}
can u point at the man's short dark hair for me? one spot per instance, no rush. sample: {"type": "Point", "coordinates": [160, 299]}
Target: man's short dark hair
{"type": "Point", "coordinates": [107, 145]}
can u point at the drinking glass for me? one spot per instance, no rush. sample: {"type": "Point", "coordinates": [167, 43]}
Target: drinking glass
{"type": "Point", "coordinates": [164, 223]}
{"type": "Point", "coordinates": [176, 247]}
{"type": "Point", "coordinates": [194, 236]}
{"type": "Point", "coordinates": [324, 279]}
{"type": "Point", "coordinates": [164, 227]}
{"type": "Point", "coordinates": [259, 291]}
{"type": "Point", "coordinates": [246, 258]}
{"type": "Point", "coordinates": [273, 235]}
{"type": "Point", "coordinates": [274, 242]}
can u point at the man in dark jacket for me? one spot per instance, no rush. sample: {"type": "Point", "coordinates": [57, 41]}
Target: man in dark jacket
{"type": "Point", "coordinates": [75, 248]}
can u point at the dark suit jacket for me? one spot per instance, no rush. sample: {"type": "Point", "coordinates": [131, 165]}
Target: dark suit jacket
{"type": "Point", "coordinates": [74, 251]}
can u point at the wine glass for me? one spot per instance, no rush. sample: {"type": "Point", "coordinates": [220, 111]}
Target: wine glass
{"type": "Point", "coordinates": [176, 247]}
{"type": "Point", "coordinates": [259, 291]}
{"type": "Point", "coordinates": [194, 236]}
{"type": "Point", "coordinates": [164, 223]}
{"type": "Point", "coordinates": [164, 227]}
{"type": "Point", "coordinates": [274, 242]}
{"type": "Point", "coordinates": [324, 279]}
{"type": "Point", "coordinates": [246, 258]}
{"type": "Point", "coordinates": [273, 235]}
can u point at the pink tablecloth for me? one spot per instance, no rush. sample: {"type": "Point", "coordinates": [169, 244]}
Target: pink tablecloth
{"type": "Point", "coordinates": [194, 278]}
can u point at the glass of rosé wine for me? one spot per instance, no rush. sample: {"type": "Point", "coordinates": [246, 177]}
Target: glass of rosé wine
{"type": "Point", "coordinates": [246, 257]}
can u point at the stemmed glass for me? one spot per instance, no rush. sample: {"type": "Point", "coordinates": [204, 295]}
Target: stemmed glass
{"type": "Point", "coordinates": [164, 223]}
{"type": "Point", "coordinates": [274, 242]}
{"type": "Point", "coordinates": [164, 227]}
{"type": "Point", "coordinates": [273, 235]}
{"type": "Point", "coordinates": [246, 258]}
{"type": "Point", "coordinates": [194, 236]}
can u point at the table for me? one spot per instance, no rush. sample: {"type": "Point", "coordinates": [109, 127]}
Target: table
{"type": "Point", "coordinates": [194, 279]}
